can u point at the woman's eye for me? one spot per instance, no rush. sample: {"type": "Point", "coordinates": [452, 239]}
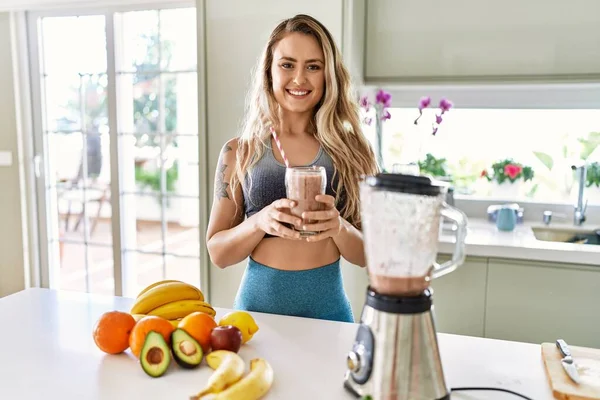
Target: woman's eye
{"type": "Point", "coordinates": [286, 65]}
{"type": "Point", "coordinates": [314, 67]}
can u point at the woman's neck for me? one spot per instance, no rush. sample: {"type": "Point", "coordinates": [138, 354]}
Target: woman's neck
{"type": "Point", "coordinates": [294, 124]}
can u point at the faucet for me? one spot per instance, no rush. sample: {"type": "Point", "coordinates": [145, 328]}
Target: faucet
{"type": "Point", "coordinates": [580, 207]}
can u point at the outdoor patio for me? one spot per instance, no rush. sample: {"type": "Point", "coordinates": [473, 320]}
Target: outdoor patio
{"type": "Point", "coordinates": [148, 268]}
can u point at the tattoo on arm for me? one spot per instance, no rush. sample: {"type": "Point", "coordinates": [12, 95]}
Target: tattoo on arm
{"type": "Point", "coordinates": [220, 184]}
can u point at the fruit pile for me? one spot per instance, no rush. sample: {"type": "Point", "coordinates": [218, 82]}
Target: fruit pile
{"type": "Point", "coordinates": [170, 320]}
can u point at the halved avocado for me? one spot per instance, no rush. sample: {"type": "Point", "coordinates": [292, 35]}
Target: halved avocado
{"type": "Point", "coordinates": [155, 356]}
{"type": "Point", "coordinates": [187, 352]}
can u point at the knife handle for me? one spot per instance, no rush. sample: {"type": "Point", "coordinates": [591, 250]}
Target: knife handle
{"type": "Point", "coordinates": [564, 349]}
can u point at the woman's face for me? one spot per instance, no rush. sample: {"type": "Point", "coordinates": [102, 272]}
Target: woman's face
{"type": "Point", "coordinates": [298, 72]}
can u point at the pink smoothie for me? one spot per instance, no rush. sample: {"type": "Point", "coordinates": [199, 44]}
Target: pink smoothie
{"type": "Point", "coordinates": [303, 185]}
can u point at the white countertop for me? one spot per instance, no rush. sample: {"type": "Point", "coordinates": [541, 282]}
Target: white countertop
{"type": "Point", "coordinates": [485, 240]}
{"type": "Point", "coordinates": [48, 353]}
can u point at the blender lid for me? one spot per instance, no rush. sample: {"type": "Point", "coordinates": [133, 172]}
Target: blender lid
{"type": "Point", "coordinates": [414, 184]}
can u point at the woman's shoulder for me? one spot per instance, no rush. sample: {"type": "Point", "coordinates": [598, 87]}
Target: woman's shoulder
{"type": "Point", "coordinates": [229, 151]}
{"type": "Point", "coordinates": [231, 145]}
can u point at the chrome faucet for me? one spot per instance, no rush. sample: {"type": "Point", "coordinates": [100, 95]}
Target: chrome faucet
{"type": "Point", "coordinates": [580, 207]}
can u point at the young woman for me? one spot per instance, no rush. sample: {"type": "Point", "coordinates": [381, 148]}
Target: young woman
{"type": "Point", "coordinates": [302, 90]}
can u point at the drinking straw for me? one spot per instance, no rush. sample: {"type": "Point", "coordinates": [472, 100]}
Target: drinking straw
{"type": "Point", "coordinates": [285, 160]}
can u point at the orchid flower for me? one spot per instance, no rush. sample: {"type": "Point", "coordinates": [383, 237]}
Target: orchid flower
{"type": "Point", "coordinates": [445, 106]}
{"type": "Point", "coordinates": [383, 100]}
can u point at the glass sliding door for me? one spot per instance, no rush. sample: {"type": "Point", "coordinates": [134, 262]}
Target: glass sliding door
{"type": "Point", "coordinates": [116, 129]}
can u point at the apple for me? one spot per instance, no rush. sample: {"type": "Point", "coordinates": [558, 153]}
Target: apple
{"type": "Point", "coordinates": [226, 337]}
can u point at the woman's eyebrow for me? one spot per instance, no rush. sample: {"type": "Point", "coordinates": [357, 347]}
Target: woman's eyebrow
{"type": "Point", "coordinates": [307, 61]}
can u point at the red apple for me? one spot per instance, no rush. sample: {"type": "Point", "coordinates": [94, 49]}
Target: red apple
{"type": "Point", "coordinates": [226, 337]}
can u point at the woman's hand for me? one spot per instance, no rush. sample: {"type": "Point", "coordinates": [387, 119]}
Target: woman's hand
{"type": "Point", "coordinates": [328, 222]}
{"type": "Point", "coordinates": [270, 219]}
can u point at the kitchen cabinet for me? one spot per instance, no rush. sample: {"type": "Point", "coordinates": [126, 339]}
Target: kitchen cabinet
{"type": "Point", "coordinates": [459, 298]}
{"type": "Point", "coordinates": [540, 302]}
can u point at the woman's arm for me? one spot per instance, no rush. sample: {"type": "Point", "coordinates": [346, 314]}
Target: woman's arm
{"type": "Point", "coordinates": [350, 243]}
{"type": "Point", "coordinates": [347, 238]}
{"type": "Point", "coordinates": [229, 238]}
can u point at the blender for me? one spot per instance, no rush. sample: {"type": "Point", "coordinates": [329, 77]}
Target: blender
{"type": "Point", "coordinates": [395, 354]}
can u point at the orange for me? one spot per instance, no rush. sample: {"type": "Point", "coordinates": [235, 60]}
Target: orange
{"type": "Point", "coordinates": [143, 327]}
{"type": "Point", "coordinates": [199, 325]}
{"type": "Point", "coordinates": [112, 331]}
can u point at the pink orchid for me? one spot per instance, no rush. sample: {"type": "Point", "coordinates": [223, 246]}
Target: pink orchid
{"type": "Point", "coordinates": [383, 98]}
{"type": "Point", "coordinates": [424, 102]}
{"type": "Point", "coordinates": [445, 106]}
{"type": "Point", "coordinates": [364, 103]}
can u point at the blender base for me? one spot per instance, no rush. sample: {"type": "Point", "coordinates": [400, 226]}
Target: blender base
{"type": "Point", "coordinates": [395, 355]}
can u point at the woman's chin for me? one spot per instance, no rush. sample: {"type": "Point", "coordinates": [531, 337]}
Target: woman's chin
{"type": "Point", "coordinates": [296, 108]}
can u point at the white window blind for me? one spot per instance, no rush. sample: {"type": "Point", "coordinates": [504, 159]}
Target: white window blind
{"type": "Point", "coordinates": [471, 40]}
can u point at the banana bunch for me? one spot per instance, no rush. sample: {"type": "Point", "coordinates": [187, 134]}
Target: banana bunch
{"type": "Point", "coordinates": [171, 300]}
{"type": "Point", "coordinates": [227, 381]}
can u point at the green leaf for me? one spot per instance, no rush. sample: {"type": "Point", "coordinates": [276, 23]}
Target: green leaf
{"type": "Point", "coordinates": [589, 144]}
{"type": "Point", "coordinates": [593, 175]}
{"type": "Point", "coordinates": [545, 159]}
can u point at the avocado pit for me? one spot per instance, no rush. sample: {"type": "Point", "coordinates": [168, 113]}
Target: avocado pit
{"type": "Point", "coordinates": [154, 356]}
{"type": "Point", "coordinates": [187, 348]}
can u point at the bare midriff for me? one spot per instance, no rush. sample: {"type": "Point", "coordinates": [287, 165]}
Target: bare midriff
{"type": "Point", "coordinates": [295, 255]}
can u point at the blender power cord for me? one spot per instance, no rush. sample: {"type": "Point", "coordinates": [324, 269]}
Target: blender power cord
{"type": "Point", "coordinates": [490, 388]}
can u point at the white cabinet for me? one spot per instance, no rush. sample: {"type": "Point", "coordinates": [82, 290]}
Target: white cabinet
{"type": "Point", "coordinates": [541, 302]}
{"type": "Point", "coordinates": [459, 298]}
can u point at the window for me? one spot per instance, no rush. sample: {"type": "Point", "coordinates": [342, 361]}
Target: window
{"type": "Point", "coordinates": [471, 140]}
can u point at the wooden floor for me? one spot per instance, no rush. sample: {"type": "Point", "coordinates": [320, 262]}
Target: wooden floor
{"type": "Point", "coordinates": [145, 259]}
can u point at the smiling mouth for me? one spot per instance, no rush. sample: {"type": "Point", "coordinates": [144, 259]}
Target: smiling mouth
{"type": "Point", "coordinates": [298, 93]}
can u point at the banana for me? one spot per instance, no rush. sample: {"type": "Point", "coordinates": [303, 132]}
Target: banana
{"type": "Point", "coordinates": [181, 308]}
{"type": "Point", "coordinates": [175, 322]}
{"type": "Point", "coordinates": [155, 284]}
{"type": "Point", "coordinates": [163, 294]}
{"type": "Point", "coordinates": [228, 368]}
{"type": "Point", "coordinates": [251, 387]}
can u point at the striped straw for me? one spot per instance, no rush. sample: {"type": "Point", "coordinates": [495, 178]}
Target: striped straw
{"type": "Point", "coordinates": [285, 160]}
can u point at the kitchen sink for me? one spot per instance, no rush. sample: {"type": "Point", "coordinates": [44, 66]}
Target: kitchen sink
{"type": "Point", "coordinates": [567, 235]}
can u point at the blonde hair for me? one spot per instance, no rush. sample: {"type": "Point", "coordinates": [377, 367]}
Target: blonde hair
{"type": "Point", "coordinates": [336, 121]}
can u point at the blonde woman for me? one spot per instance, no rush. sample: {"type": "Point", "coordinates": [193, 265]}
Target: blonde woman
{"type": "Point", "coordinates": [302, 90]}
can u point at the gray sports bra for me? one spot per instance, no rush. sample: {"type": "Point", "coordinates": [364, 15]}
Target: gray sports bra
{"type": "Point", "coordinates": [268, 180]}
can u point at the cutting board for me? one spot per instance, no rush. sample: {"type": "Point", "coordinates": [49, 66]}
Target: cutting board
{"type": "Point", "coordinates": [588, 366]}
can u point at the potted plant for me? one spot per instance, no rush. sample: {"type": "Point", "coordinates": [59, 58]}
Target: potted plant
{"type": "Point", "coordinates": [436, 167]}
{"type": "Point", "coordinates": [507, 177]}
{"type": "Point", "coordinates": [592, 183]}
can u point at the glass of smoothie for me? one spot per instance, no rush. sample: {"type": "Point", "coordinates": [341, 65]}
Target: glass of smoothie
{"type": "Point", "coordinates": [302, 185]}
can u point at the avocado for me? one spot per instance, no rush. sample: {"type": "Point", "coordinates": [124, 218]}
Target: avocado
{"type": "Point", "coordinates": [187, 352]}
{"type": "Point", "coordinates": [155, 356]}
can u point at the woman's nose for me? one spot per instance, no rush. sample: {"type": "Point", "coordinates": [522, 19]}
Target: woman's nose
{"type": "Point", "coordinates": [300, 77]}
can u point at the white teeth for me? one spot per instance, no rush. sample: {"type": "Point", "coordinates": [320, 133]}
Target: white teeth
{"type": "Point", "coordinates": [298, 93]}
